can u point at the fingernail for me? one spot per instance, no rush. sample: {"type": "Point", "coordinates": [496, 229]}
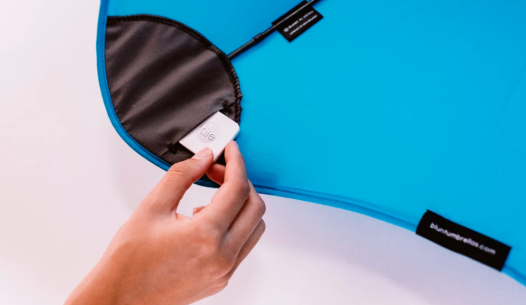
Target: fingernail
{"type": "Point", "coordinates": [234, 143]}
{"type": "Point", "coordinates": [203, 154]}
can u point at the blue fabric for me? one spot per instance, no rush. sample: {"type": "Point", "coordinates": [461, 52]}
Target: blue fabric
{"type": "Point", "coordinates": [387, 108]}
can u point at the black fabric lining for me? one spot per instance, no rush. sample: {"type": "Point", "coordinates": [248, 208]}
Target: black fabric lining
{"type": "Point", "coordinates": [224, 58]}
{"type": "Point", "coordinates": [164, 82]}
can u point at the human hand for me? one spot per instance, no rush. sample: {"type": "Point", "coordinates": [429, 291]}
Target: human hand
{"type": "Point", "coordinates": [160, 257]}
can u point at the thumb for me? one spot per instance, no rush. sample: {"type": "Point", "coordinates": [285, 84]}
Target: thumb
{"type": "Point", "coordinates": [178, 179]}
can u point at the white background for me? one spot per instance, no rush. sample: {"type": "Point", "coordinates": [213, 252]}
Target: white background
{"type": "Point", "coordinates": [67, 182]}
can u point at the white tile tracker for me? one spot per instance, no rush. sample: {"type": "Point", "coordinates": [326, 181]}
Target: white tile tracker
{"type": "Point", "coordinates": [215, 133]}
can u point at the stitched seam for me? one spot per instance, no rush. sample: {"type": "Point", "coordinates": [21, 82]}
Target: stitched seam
{"type": "Point", "coordinates": [208, 44]}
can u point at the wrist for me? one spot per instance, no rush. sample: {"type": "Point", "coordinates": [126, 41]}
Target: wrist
{"type": "Point", "coordinates": [100, 286]}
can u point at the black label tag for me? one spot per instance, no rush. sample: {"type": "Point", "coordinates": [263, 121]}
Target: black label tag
{"type": "Point", "coordinates": [463, 240]}
{"type": "Point", "coordinates": [298, 23]}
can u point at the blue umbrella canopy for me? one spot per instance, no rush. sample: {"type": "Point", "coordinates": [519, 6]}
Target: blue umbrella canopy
{"type": "Point", "coordinates": [390, 109]}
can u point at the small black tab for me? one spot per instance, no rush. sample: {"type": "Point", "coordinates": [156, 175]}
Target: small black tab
{"type": "Point", "coordinates": [298, 23]}
{"type": "Point", "coordinates": [463, 240]}
{"type": "Point", "coordinates": [172, 148]}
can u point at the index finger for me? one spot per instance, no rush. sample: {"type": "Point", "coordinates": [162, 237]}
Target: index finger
{"type": "Point", "coordinates": [234, 192]}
